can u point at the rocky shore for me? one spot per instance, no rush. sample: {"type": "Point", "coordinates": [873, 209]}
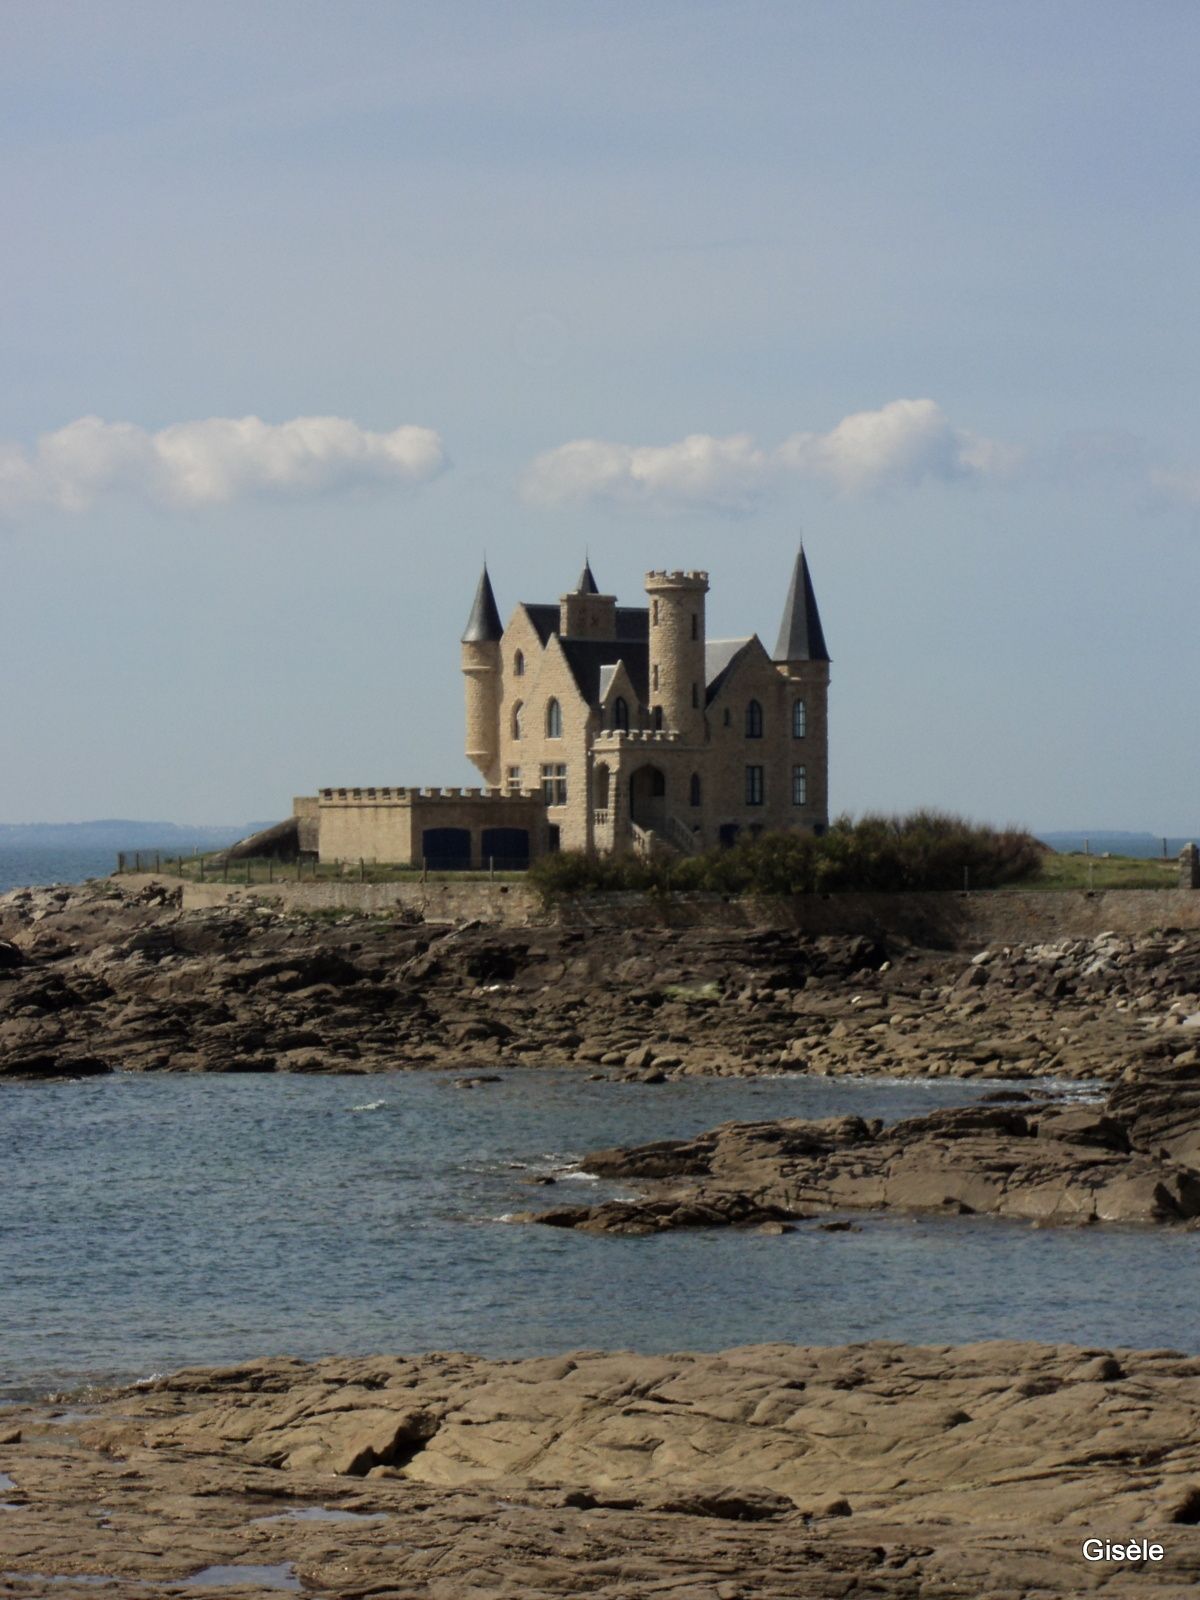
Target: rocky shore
{"type": "Point", "coordinates": [98, 978]}
{"type": "Point", "coordinates": [763, 1473]}
{"type": "Point", "coordinates": [1134, 1159]}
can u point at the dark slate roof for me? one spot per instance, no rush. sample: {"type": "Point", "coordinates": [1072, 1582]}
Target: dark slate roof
{"type": "Point", "coordinates": [801, 637]}
{"type": "Point", "coordinates": [544, 619]}
{"type": "Point", "coordinates": [483, 625]}
{"type": "Point", "coordinates": [633, 622]}
{"type": "Point", "coordinates": [720, 658]}
{"type": "Point", "coordinates": [585, 657]}
{"type": "Point", "coordinates": [587, 583]}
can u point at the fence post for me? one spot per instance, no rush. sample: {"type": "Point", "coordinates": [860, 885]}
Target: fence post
{"type": "Point", "coordinates": [270, 869]}
{"type": "Point", "coordinates": [120, 861]}
{"type": "Point", "coordinates": [157, 867]}
{"type": "Point", "coordinates": [424, 870]}
{"type": "Point", "coordinates": [491, 869]}
{"type": "Point", "coordinates": [200, 867]}
{"type": "Point", "coordinates": [362, 869]}
{"type": "Point", "coordinates": [966, 880]}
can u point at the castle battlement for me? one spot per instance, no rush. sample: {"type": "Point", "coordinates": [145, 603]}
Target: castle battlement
{"type": "Point", "coordinates": [392, 796]}
{"type": "Point", "coordinates": [689, 578]}
{"type": "Point", "coordinates": [620, 736]}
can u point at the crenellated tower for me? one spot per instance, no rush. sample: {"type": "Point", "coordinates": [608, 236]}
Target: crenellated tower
{"type": "Point", "coordinates": [677, 679]}
{"type": "Point", "coordinates": [481, 669]}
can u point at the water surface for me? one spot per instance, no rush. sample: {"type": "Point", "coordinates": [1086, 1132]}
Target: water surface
{"type": "Point", "coordinates": [152, 1222]}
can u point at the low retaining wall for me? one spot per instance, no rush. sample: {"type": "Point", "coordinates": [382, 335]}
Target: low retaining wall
{"type": "Point", "coordinates": [943, 920]}
{"type": "Point", "coordinates": [507, 904]}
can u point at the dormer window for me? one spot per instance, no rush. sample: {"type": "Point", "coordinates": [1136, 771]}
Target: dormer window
{"type": "Point", "coordinates": [519, 664]}
{"type": "Point", "coordinates": [754, 720]}
{"type": "Point", "coordinates": [620, 714]}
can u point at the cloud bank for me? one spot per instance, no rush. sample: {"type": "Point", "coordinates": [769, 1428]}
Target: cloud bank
{"type": "Point", "coordinates": [210, 462]}
{"type": "Point", "coordinates": [901, 445]}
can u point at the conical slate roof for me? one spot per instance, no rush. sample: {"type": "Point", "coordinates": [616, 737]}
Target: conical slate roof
{"type": "Point", "coordinates": [483, 625]}
{"type": "Point", "coordinates": [801, 637]}
{"type": "Point", "coordinates": [587, 583]}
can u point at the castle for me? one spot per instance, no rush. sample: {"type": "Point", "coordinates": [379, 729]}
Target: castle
{"type": "Point", "coordinates": [607, 728]}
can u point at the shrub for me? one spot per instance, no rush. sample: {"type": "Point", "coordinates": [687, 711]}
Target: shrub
{"type": "Point", "coordinates": [925, 850]}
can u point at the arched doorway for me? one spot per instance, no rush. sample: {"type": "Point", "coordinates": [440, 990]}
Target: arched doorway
{"type": "Point", "coordinates": [506, 848]}
{"type": "Point", "coordinates": [648, 796]}
{"type": "Point", "coordinates": [447, 849]}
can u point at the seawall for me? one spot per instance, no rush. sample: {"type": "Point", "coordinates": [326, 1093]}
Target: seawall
{"type": "Point", "coordinates": [943, 920]}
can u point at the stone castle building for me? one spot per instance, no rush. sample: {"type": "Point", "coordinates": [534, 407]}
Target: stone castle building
{"type": "Point", "coordinates": [604, 728]}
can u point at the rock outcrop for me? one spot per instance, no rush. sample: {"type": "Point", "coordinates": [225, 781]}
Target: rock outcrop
{"type": "Point", "coordinates": [1136, 1159]}
{"type": "Point", "coordinates": [764, 1473]}
{"type": "Point", "coordinates": [103, 973]}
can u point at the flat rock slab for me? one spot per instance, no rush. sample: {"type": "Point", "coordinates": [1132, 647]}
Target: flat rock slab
{"type": "Point", "coordinates": [1128, 1161]}
{"type": "Point", "coordinates": [773, 1472]}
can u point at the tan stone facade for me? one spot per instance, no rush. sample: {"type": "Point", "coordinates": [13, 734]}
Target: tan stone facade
{"type": "Point", "coordinates": [602, 727]}
{"type": "Point", "coordinates": [633, 724]}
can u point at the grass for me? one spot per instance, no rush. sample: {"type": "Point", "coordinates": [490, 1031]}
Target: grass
{"type": "Point", "coordinates": [260, 870]}
{"type": "Point", "coordinates": [1077, 871]}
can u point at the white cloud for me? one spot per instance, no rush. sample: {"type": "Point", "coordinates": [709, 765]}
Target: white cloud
{"type": "Point", "coordinates": [900, 445]}
{"type": "Point", "coordinates": [699, 471]}
{"type": "Point", "coordinates": [209, 462]}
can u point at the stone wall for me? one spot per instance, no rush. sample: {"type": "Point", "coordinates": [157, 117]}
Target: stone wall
{"type": "Point", "coordinates": [388, 825]}
{"type": "Point", "coordinates": [966, 921]}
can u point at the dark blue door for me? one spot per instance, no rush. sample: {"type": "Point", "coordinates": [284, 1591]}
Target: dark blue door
{"type": "Point", "coordinates": [447, 849]}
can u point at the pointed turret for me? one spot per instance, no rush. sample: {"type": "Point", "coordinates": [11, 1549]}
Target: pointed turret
{"type": "Point", "coordinates": [483, 625]}
{"type": "Point", "coordinates": [801, 637]}
{"type": "Point", "coordinates": [587, 583]}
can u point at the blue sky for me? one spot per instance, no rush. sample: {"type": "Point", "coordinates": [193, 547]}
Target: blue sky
{"type": "Point", "coordinates": [674, 282]}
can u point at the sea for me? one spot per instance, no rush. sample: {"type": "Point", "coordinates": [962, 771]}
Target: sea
{"type": "Point", "coordinates": [160, 1221]}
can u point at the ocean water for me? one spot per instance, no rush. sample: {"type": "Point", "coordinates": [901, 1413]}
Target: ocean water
{"type": "Point", "coordinates": [155, 1222]}
{"type": "Point", "coordinates": [21, 865]}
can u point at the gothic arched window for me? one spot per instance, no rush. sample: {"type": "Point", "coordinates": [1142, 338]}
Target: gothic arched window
{"type": "Point", "coordinates": [518, 711]}
{"type": "Point", "coordinates": [553, 720]}
{"type": "Point", "coordinates": [754, 720]}
{"type": "Point", "coordinates": [519, 664]}
{"type": "Point", "coordinates": [620, 713]}
{"type": "Point", "coordinates": [799, 719]}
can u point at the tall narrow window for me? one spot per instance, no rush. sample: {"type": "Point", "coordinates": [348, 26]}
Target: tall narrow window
{"type": "Point", "coordinates": [654, 613]}
{"type": "Point", "coordinates": [799, 719]}
{"type": "Point", "coordinates": [620, 713]}
{"type": "Point", "coordinates": [658, 719]}
{"type": "Point", "coordinates": [694, 789]}
{"type": "Point", "coordinates": [518, 714]}
{"type": "Point", "coordinates": [695, 626]}
{"type": "Point", "coordinates": [799, 786]}
{"type": "Point", "coordinates": [519, 664]}
{"type": "Point", "coordinates": [654, 676]}
{"type": "Point", "coordinates": [514, 780]}
{"type": "Point", "coordinates": [695, 696]}
{"type": "Point", "coordinates": [754, 786]}
{"type": "Point", "coordinates": [554, 783]}
{"type": "Point", "coordinates": [553, 720]}
{"type": "Point", "coordinates": [754, 720]}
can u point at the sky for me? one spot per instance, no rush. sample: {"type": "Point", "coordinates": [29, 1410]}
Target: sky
{"type": "Point", "coordinates": [307, 305]}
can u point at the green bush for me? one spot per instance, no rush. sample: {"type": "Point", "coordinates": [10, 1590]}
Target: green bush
{"type": "Point", "coordinates": [926, 850]}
